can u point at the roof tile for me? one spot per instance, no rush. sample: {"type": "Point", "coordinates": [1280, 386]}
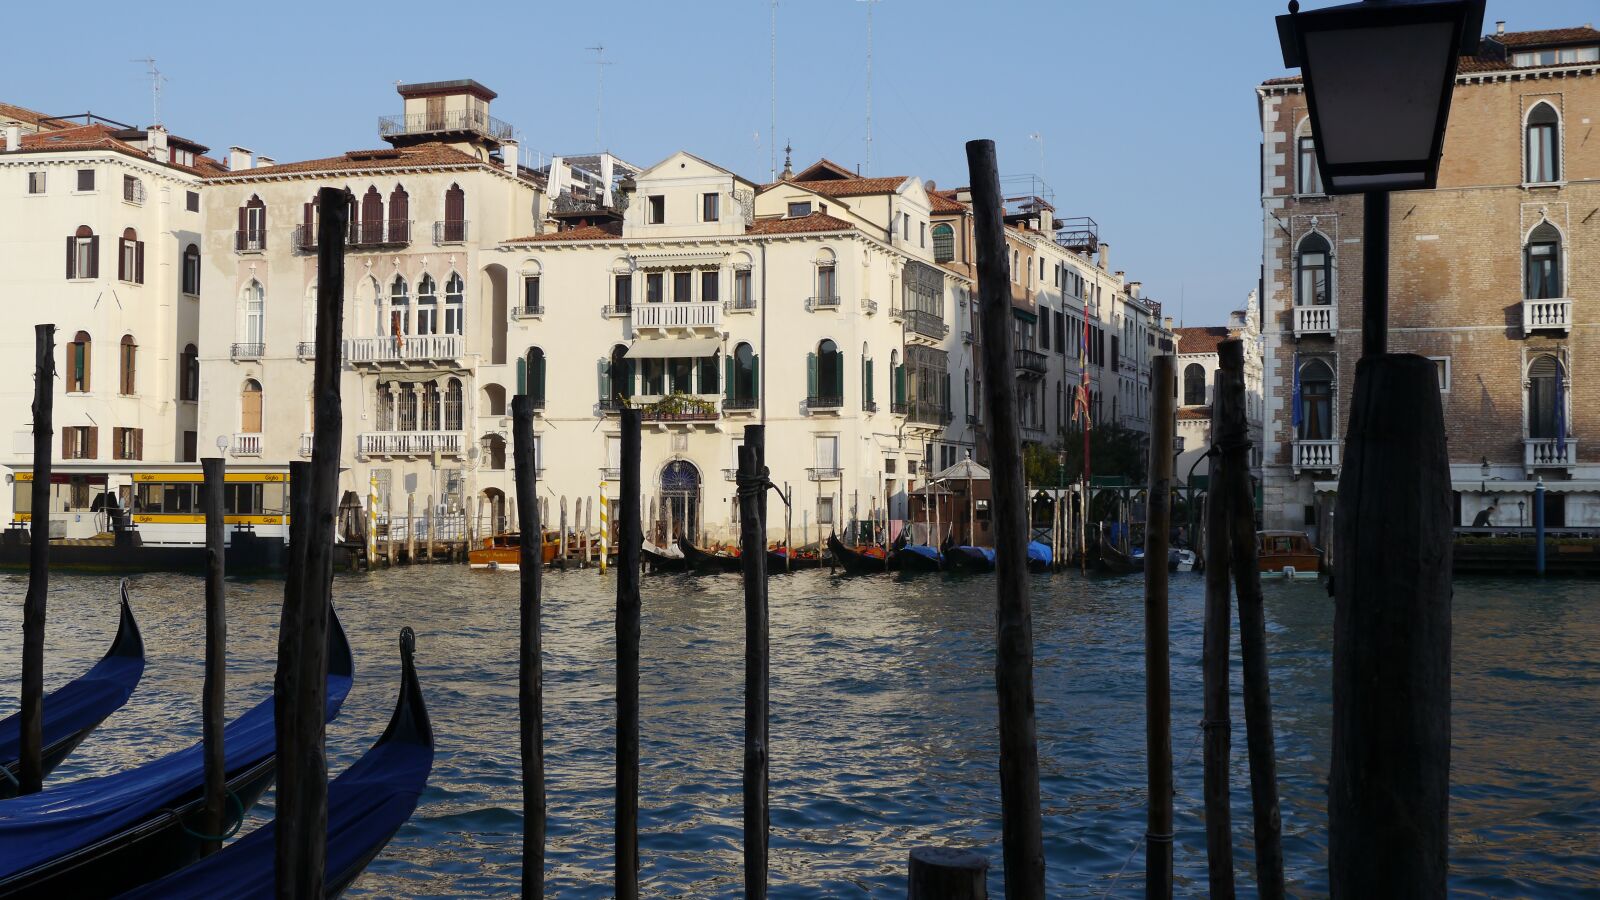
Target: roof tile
{"type": "Point", "coordinates": [1202, 339]}
{"type": "Point", "coordinates": [799, 225]}
{"type": "Point", "coordinates": [429, 154]}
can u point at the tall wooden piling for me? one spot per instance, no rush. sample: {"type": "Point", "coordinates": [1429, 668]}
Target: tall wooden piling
{"type": "Point", "coordinates": [945, 873]}
{"type": "Point", "coordinates": [213, 820]}
{"type": "Point", "coordinates": [30, 774]}
{"type": "Point", "coordinates": [411, 529]}
{"type": "Point", "coordinates": [1389, 778]}
{"type": "Point", "coordinates": [753, 553]}
{"type": "Point", "coordinates": [1214, 678]}
{"type": "Point", "coordinates": [1157, 633]}
{"type": "Point", "coordinates": [1233, 487]}
{"type": "Point", "coordinates": [388, 527]}
{"type": "Point", "coordinates": [530, 652]}
{"type": "Point", "coordinates": [428, 526]}
{"type": "Point", "coordinates": [1019, 752]}
{"type": "Point", "coordinates": [627, 635]}
{"type": "Point", "coordinates": [301, 683]}
{"type": "Point", "coordinates": [561, 551]}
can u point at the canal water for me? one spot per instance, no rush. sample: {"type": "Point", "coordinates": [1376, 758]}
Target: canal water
{"type": "Point", "coordinates": [883, 725]}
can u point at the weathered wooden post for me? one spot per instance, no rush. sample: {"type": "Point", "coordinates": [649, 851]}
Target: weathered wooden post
{"type": "Point", "coordinates": [477, 522]}
{"type": "Point", "coordinates": [30, 773]}
{"type": "Point", "coordinates": [213, 819]}
{"type": "Point", "coordinates": [411, 529]}
{"type": "Point", "coordinates": [753, 549]}
{"type": "Point", "coordinates": [1019, 752]}
{"type": "Point", "coordinates": [1157, 634]}
{"type": "Point", "coordinates": [1233, 442]}
{"type": "Point", "coordinates": [627, 636]}
{"type": "Point", "coordinates": [427, 526]}
{"type": "Point", "coordinates": [301, 685]}
{"type": "Point", "coordinates": [1389, 778]}
{"type": "Point", "coordinates": [511, 513]}
{"type": "Point", "coordinates": [588, 524]}
{"type": "Point", "coordinates": [1214, 677]}
{"type": "Point", "coordinates": [388, 527]}
{"type": "Point", "coordinates": [561, 552]}
{"type": "Point", "coordinates": [530, 659]}
{"type": "Point", "coordinates": [945, 873]}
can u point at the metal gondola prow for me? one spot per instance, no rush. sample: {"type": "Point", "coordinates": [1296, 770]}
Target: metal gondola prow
{"type": "Point", "coordinates": [129, 641]}
{"type": "Point", "coordinates": [410, 722]}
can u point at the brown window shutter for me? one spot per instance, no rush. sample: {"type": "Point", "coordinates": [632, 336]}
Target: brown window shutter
{"type": "Point", "coordinates": [138, 443]}
{"type": "Point", "coordinates": [122, 267]}
{"type": "Point", "coordinates": [116, 443]}
{"type": "Point", "coordinates": [94, 443]}
{"type": "Point", "coordinates": [138, 261]}
{"type": "Point", "coordinates": [243, 219]}
{"type": "Point", "coordinates": [94, 257]}
{"type": "Point", "coordinates": [66, 442]}
{"type": "Point", "coordinates": [72, 256]}
{"type": "Point", "coordinates": [310, 213]}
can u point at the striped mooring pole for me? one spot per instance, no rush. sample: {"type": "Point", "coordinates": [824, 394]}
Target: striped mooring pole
{"type": "Point", "coordinates": [372, 520]}
{"type": "Point", "coordinates": [605, 527]}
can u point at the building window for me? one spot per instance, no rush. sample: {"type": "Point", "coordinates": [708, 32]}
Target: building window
{"type": "Point", "coordinates": [250, 407]}
{"type": "Point", "coordinates": [191, 201]}
{"type": "Point", "coordinates": [944, 243]}
{"type": "Point", "coordinates": [399, 307]}
{"type": "Point", "coordinates": [132, 190]}
{"type": "Point", "coordinates": [922, 237]}
{"type": "Point", "coordinates": [1544, 144]}
{"type": "Point", "coordinates": [1312, 284]}
{"type": "Point", "coordinates": [85, 179]}
{"type": "Point", "coordinates": [191, 270]}
{"type": "Point", "coordinates": [1543, 264]}
{"type": "Point", "coordinates": [254, 327]}
{"type": "Point", "coordinates": [80, 442]}
{"type": "Point", "coordinates": [127, 365]}
{"type": "Point", "coordinates": [1556, 56]}
{"type": "Point", "coordinates": [1545, 413]}
{"type": "Point", "coordinates": [708, 286]}
{"type": "Point", "coordinates": [657, 209]}
{"type": "Point", "coordinates": [530, 294]}
{"type": "Point", "coordinates": [827, 285]}
{"type": "Point", "coordinates": [36, 182]}
{"type": "Point", "coordinates": [127, 443]}
{"type": "Point", "coordinates": [427, 306]}
{"type": "Point", "coordinates": [654, 287]}
{"type": "Point", "coordinates": [252, 225]}
{"type": "Point", "coordinates": [1310, 177]}
{"type": "Point", "coordinates": [453, 405]}
{"type": "Point", "coordinates": [83, 254]}
{"type": "Point", "coordinates": [1442, 367]}
{"type": "Point", "coordinates": [709, 207]}
{"type": "Point", "coordinates": [454, 229]}
{"type": "Point", "coordinates": [824, 510]}
{"type": "Point", "coordinates": [536, 374]}
{"type": "Point", "coordinates": [130, 257]}
{"type": "Point", "coordinates": [799, 209]}
{"type": "Point", "coordinates": [743, 382]}
{"type": "Point", "coordinates": [742, 297]}
{"type": "Point", "coordinates": [682, 287]}
{"type": "Point", "coordinates": [825, 381]}
{"type": "Point", "coordinates": [78, 363]}
{"type": "Point", "coordinates": [1315, 402]}
{"type": "Point", "coordinates": [189, 374]}
{"type": "Point", "coordinates": [455, 307]}
{"type": "Point", "coordinates": [622, 293]}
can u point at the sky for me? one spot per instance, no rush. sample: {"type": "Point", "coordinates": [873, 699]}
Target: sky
{"type": "Point", "coordinates": [1137, 113]}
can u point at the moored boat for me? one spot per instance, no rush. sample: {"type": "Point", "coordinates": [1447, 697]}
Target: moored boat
{"type": "Point", "coordinates": [705, 561]}
{"type": "Point", "coordinates": [1116, 562]}
{"type": "Point", "coordinates": [780, 560]}
{"type": "Point", "coordinates": [1040, 557]}
{"type": "Point", "coordinates": [662, 559]}
{"type": "Point", "coordinates": [1288, 553]}
{"type": "Point", "coordinates": [864, 560]}
{"type": "Point", "coordinates": [967, 558]}
{"type": "Point", "coordinates": [920, 558]}
{"type": "Point", "coordinates": [504, 551]}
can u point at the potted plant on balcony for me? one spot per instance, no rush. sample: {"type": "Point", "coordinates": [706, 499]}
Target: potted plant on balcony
{"type": "Point", "coordinates": [680, 408]}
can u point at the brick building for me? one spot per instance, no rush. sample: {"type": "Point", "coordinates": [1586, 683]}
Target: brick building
{"type": "Point", "coordinates": [1493, 274]}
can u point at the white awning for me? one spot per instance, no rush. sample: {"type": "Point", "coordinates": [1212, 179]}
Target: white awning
{"type": "Point", "coordinates": [1526, 487]}
{"type": "Point", "coordinates": [674, 348]}
{"type": "Point", "coordinates": [685, 260]}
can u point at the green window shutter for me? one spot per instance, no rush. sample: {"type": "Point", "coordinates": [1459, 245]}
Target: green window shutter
{"type": "Point", "coordinates": [811, 375]}
{"type": "Point", "coordinates": [838, 372]}
{"type": "Point", "coordinates": [869, 391]}
{"type": "Point", "coordinates": [944, 401]}
{"type": "Point", "coordinates": [538, 378]}
{"type": "Point", "coordinates": [522, 376]}
{"type": "Point", "coordinates": [603, 367]}
{"type": "Point", "coordinates": [727, 377]}
{"type": "Point", "coordinates": [900, 384]}
{"type": "Point", "coordinates": [755, 377]}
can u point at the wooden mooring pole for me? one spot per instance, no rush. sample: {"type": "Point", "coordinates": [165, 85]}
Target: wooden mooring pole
{"type": "Point", "coordinates": [1233, 444]}
{"type": "Point", "coordinates": [301, 685]}
{"type": "Point", "coordinates": [530, 658]}
{"type": "Point", "coordinates": [945, 873]}
{"type": "Point", "coordinates": [1389, 776]}
{"type": "Point", "coordinates": [1214, 678]}
{"type": "Point", "coordinates": [214, 818]}
{"type": "Point", "coordinates": [753, 550]}
{"type": "Point", "coordinates": [1019, 751]}
{"type": "Point", "coordinates": [627, 636]}
{"type": "Point", "coordinates": [30, 774]}
{"type": "Point", "coordinates": [1157, 634]}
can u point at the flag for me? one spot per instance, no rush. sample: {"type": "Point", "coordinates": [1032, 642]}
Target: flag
{"type": "Point", "coordinates": [1561, 412]}
{"type": "Point", "coordinates": [394, 327]}
{"type": "Point", "coordinates": [1296, 398]}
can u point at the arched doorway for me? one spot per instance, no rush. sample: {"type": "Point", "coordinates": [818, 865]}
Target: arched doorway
{"type": "Point", "coordinates": [494, 452]}
{"type": "Point", "coordinates": [493, 519]}
{"type": "Point", "coordinates": [680, 497]}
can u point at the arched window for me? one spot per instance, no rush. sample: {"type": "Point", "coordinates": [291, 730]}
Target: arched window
{"type": "Point", "coordinates": [308, 315]}
{"type": "Point", "coordinates": [252, 234]}
{"type": "Point", "coordinates": [1194, 385]}
{"type": "Point", "coordinates": [127, 366]}
{"type": "Point", "coordinates": [427, 306]}
{"type": "Point", "coordinates": [743, 380]}
{"type": "Point", "coordinates": [868, 398]}
{"type": "Point", "coordinates": [83, 254]}
{"type": "Point", "coordinates": [430, 408]}
{"type": "Point", "coordinates": [827, 280]}
{"type": "Point", "coordinates": [191, 270]}
{"type": "Point", "coordinates": [453, 230]}
{"type": "Point", "coordinates": [1308, 176]}
{"type": "Point", "coordinates": [253, 320]}
{"type": "Point", "coordinates": [1315, 414]}
{"type": "Point", "coordinates": [1313, 287]}
{"type": "Point", "coordinates": [826, 376]}
{"type": "Point", "coordinates": [130, 257]}
{"type": "Point", "coordinates": [1544, 144]}
{"type": "Point", "coordinates": [189, 374]}
{"type": "Point", "coordinates": [494, 400]}
{"type": "Point", "coordinates": [455, 305]}
{"type": "Point", "coordinates": [944, 243]}
{"type": "Point", "coordinates": [1545, 398]}
{"type": "Point", "coordinates": [1542, 259]}
{"type": "Point", "coordinates": [369, 230]}
{"type": "Point", "coordinates": [619, 376]}
{"type": "Point", "coordinates": [78, 355]}
{"type": "Point", "coordinates": [399, 216]}
{"type": "Point", "coordinates": [250, 407]}
{"type": "Point", "coordinates": [536, 373]}
{"type": "Point", "coordinates": [399, 307]}
{"type": "Point", "coordinates": [406, 407]}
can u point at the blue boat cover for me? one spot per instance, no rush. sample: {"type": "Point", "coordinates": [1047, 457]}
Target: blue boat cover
{"type": "Point", "coordinates": [975, 553]}
{"type": "Point", "coordinates": [37, 828]}
{"type": "Point", "coordinates": [1039, 553]}
{"type": "Point", "coordinates": [923, 551]}
{"type": "Point", "coordinates": [85, 702]}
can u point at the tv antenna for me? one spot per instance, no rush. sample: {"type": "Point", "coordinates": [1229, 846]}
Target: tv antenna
{"type": "Point", "coordinates": [772, 128]}
{"type": "Point", "coordinates": [156, 80]}
{"type": "Point", "coordinates": [600, 64]}
{"type": "Point", "coordinates": [870, 4]}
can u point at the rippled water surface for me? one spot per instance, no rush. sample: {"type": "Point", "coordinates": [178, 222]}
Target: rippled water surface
{"type": "Point", "coordinates": [883, 731]}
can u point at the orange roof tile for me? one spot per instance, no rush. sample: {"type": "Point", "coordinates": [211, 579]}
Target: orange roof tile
{"type": "Point", "coordinates": [582, 233]}
{"type": "Point", "coordinates": [824, 170]}
{"type": "Point", "coordinates": [1488, 60]}
{"type": "Point", "coordinates": [942, 202]}
{"type": "Point", "coordinates": [1195, 412]}
{"type": "Point", "coordinates": [799, 225]}
{"type": "Point", "coordinates": [1201, 339]}
{"type": "Point", "coordinates": [12, 112]}
{"type": "Point", "coordinates": [854, 187]}
{"type": "Point", "coordinates": [429, 154]}
{"type": "Point", "coordinates": [1548, 37]}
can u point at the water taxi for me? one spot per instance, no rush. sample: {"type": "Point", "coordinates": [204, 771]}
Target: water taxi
{"type": "Point", "coordinates": [1288, 553]}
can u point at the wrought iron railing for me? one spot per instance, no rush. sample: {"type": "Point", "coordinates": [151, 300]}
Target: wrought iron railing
{"type": "Point", "coordinates": [822, 402]}
{"type": "Point", "coordinates": [306, 350]}
{"type": "Point", "coordinates": [250, 240]}
{"type": "Point", "coordinates": [523, 312]}
{"type": "Point", "coordinates": [824, 473]}
{"type": "Point", "coordinates": [1031, 361]}
{"type": "Point", "coordinates": [249, 351]}
{"type": "Point", "coordinates": [814, 303]}
{"type": "Point", "coordinates": [739, 404]}
{"type": "Point", "coordinates": [925, 323]}
{"type": "Point", "coordinates": [449, 231]}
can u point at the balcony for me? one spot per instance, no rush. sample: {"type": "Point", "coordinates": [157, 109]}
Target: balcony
{"type": "Point", "coordinates": [527, 312]}
{"type": "Point", "coordinates": [1316, 456]}
{"type": "Point", "coordinates": [969, 337]}
{"type": "Point", "coordinates": [611, 473]}
{"type": "Point", "coordinates": [247, 445]}
{"type": "Point", "coordinates": [664, 317]}
{"type": "Point", "coordinates": [747, 305]}
{"type": "Point", "coordinates": [252, 240]}
{"type": "Point", "coordinates": [870, 307]}
{"type": "Point", "coordinates": [362, 235]}
{"type": "Point", "coordinates": [730, 474]}
{"type": "Point", "coordinates": [824, 404]}
{"type": "Point", "coordinates": [410, 443]}
{"type": "Point", "coordinates": [869, 406]}
{"type": "Point", "coordinates": [815, 303]}
{"type": "Point", "coordinates": [1546, 315]}
{"type": "Point", "coordinates": [402, 350]}
{"type": "Point", "coordinates": [306, 350]}
{"type": "Point", "coordinates": [132, 191]}
{"type": "Point", "coordinates": [897, 407]}
{"type": "Point", "coordinates": [739, 405]}
{"type": "Point", "coordinates": [248, 351]}
{"type": "Point", "coordinates": [1547, 453]}
{"type": "Point", "coordinates": [664, 414]}
{"type": "Point", "coordinates": [450, 232]}
{"type": "Point", "coordinates": [921, 323]}
{"type": "Point", "coordinates": [445, 122]}
{"type": "Point", "coordinates": [1309, 320]}
{"type": "Point", "coordinates": [824, 473]}
{"type": "Point", "coordinates": [1034, 434]}
{"type": "Point", "coordinates": [609, 407]}
{"type": "Point", "coordinates": [896, 314]}
{"type": "Point", "coordinates": [927, 412]}
{"type": "Point", "coordinates": [616, 312]}
{"type": "Point", "coordinates": [1080, 234]}
{"type": "Point", "coordinates": [1031, 363]}
{"type": "Point", "coordinates": [305, 444]}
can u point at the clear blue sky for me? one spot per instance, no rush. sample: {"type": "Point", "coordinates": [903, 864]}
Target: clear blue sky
{"type": "Point", "coordinates": [1147, 109]}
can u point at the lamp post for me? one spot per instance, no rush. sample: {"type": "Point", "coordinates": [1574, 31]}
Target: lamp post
{"type": "Point", "coordinates": [1378, 80]}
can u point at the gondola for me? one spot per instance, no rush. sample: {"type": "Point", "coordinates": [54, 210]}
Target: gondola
{"type": "Point", "coordinates": [967, 558]}
{"type": "Point", "coordinates": [702, 561]}
{"type": "Point", "coordinates": [1040, 556]}
{"type": "Point", "coordinates": [920, 558]}
{"type": "Point", "coordinates": [778, 561]}
{"type": "Point", "coordinates": [367, 804]}
{"type": "Point", "coordinates": [856, 561]}
{"type": "Point", "coordinates": [659, 560]}
{"type": "Point", "coordinates": [100, 836]}
{"type": "Point", "coordinates": [1116, 562]}
{"type": "Point", "coordinates": [77, 708]}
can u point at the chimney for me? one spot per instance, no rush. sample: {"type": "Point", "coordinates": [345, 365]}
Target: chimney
{"type": "Point", "coordinates": [1500, 27]}
{"type": "Point", "coordinates": [155, 143]}
{"type": "Point", "coordinates": [1167, 323]}
{"type": "Point", "coordinates": [509, 155]}
{"type": "Point", "coordinates": [238, 159]}
{"type": "Point", "coordinates": [1134, 288]}
{"type": "Point", "coordinates": [1105, 256]}
{"type": "Point", "coordinates": [13, 137]}
{"type": "Point", "coordinates": [264, 161]}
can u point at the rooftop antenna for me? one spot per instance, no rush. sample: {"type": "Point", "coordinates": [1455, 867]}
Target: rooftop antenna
{"type": "Point", "coordinates": [772, 127]}
{"type": "Point", "coordinates": [1038, 137]}
{"type": "Point", "coordinates": [600, 64]}
{"type": "Point", "coordinates": [870, 4]}
{"type": "Point", "coordinates": [156, 80]}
